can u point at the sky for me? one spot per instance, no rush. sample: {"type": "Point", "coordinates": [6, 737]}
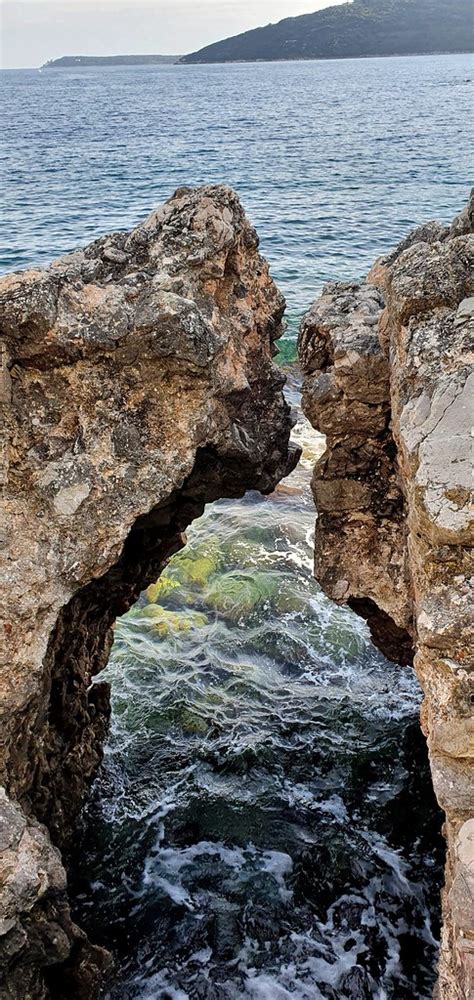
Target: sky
{"type": "Point", "coordinates": [33, 31]}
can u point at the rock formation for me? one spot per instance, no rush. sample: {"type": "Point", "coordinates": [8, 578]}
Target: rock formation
{"type": "Point", "coordinates": [389, 380]}
{"type": "Point", "coordinates": [137, 385]}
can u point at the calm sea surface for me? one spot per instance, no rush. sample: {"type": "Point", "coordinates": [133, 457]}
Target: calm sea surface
{"type": "Point", "coordinates": [263, 825]}
{"type": "Point", "coordinates": [334, 161]}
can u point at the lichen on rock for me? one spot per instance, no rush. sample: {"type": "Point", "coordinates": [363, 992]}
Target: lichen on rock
{"type": "Point", "coordinates": [137, 385]}
{"type": "Point", "coordinates": [389, 380]}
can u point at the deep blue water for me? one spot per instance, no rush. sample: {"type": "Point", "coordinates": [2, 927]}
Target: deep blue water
{"type": "Point", "coordinates": [334, 161]}
{"type": "Point", "coordinates": [263, 825]}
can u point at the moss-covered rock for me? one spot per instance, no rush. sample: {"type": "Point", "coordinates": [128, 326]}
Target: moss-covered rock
{"type": "Point", "coordinates": [344, 638]}
{"type": "Point", "coordinates": [165, 622]}
{"type": "Point", "coordinates": [190, 721]}
{"type": "Point", "coordinates": [195, 566]}
{"type": "Point", "coordinates": [161, 589]}
{"type": "Point", "coordinates": [289, 599]}
{"type": "Point", "coordinates": [239, 552]}
{"type": "Point", "coordinates": [237, 593]}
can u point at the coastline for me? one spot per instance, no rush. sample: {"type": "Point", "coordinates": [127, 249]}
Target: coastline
{"type": "Point", "coordinates": [110, 63]}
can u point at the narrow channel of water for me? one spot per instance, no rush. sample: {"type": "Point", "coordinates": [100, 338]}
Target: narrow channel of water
{"type": "Point", "coordinates": [263, 826]}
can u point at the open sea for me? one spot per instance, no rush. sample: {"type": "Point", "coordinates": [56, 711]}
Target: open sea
{"type": "Point", "coordinates": [263, 826]}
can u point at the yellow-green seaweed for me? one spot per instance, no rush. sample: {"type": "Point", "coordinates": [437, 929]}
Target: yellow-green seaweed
{"type": "Point", "coordinates": [196, 566]}
{"type": "Point", "coordinates": [161, 589]}
{"type": "Point", "coordinates": [237, 593]}
{"type": "Point", "coordinates": [165, 622]}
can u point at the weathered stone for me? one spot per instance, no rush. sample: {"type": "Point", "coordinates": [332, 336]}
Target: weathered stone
{"type": "Point", "coordinates": [138, 386]}
{"type": "Point", "coordinates": [404, 560]}
{"type": "Point", "coordinates": [36, 930]}
{"type": "Point", "coordinates": [360, 535]}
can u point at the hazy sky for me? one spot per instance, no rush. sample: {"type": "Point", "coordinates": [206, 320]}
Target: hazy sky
{"type": "Point", "coordinates": [33, 31]}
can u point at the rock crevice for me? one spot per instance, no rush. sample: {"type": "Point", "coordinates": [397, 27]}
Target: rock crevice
{"type": "Point", "coordinates": [389, 380]}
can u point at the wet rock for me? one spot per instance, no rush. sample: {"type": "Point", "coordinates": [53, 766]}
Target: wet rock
{"type": "Point", "coordinates": [395, 401]}
{"type": "Point", "coordinates": [235, 594]}
{"type": "Point", "coordinates": [226, 932]}
{"type": "Point", "coordinates": [37, 932]}
{"type": "Point", "coordinates": [205, 990]}
{"type": "Point", "coordinates": [137, 385]}
{"type": "Point", "coordinates": [325, 872]}
{"type": "Point", "coordinates": [355, 985]}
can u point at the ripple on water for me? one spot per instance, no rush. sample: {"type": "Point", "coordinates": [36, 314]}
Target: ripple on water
{"type": "Point", "coordinates": [334, 160]}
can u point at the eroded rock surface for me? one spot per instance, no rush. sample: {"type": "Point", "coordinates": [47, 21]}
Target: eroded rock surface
{"type": "Point", "coordinates": [390, 382]}
{"type": "Point", "coordinates": [137, 385]}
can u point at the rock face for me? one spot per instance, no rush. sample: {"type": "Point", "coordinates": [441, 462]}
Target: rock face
{"type": "Point", "coordinates": [390, 382]}
{"type": "Point", "coordinates": [137, 385]}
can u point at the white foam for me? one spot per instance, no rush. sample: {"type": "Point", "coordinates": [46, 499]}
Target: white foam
{"type": "Point", "coordinates": [278, 864]}
{"type": "Point", "coordinates": [176, 892]}
{"type": "Point", "coordinates": [266, 987]}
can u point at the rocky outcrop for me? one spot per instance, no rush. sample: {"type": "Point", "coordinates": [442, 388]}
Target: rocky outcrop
{"type": "Point", "coordinates": [41, 947]}
{"type": "Point", "coordinates": [137, 385]}
{"type": "Point", "coordinates": [389, 381]}
{"type": "Point", "coordinates": [360, 539]}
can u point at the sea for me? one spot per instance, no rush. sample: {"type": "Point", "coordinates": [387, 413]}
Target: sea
{"type": "Point", "coordinates": [263, 826]}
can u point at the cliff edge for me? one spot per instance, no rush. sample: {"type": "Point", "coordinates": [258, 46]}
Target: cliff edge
{"type": "Point", "coordinates": [389, 379]}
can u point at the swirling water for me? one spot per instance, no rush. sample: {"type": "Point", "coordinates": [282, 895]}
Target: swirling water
{"type": "Point", "coordinates": [263, 825]}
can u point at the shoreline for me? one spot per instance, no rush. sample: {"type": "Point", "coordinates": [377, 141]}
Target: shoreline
{"type": "Point", "coordinates": [382, 55]}
{"type": "Point", "coordinates": [232, 62]}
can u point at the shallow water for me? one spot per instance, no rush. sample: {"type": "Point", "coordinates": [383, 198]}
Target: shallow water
{"type": "Point", "coordinates": [263, 826]}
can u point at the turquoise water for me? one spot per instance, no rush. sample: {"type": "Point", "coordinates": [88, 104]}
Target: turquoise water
{"type": "Point", "coordinates": [263, 825]}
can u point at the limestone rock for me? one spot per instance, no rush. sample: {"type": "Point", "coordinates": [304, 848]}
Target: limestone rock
{"type": "Point", "coordinates": [37, 934]}
{"type": "Point", "coordinates": [390, 380]}
{"type": "Point", "coordinates": [137, 385]}
{"type": "Point", "coordinates": [360, 548]}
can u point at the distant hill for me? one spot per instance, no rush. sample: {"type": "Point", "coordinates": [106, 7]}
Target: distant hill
{"type": "Point", "coordinates": [361, 28]}
{"type": "Point", "coordinates": [74, 61]}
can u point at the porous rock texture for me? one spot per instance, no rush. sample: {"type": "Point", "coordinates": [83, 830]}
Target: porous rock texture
{"type": "Point", "coordinates": [389, 380]}
{"type": "Point", "coordinates": [137, 385]}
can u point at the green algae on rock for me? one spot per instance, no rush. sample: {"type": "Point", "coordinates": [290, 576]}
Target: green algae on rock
{"type": "Point", "coordinates": [165, 622]}
{"type": "Point", "coordinates": [161, 589]}
{"type": "Point", "coordinates": [237, 593]}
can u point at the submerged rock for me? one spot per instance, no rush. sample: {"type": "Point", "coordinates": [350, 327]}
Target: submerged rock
{"type": "Point", "coordinates": [166, 622]}
{"type": "Point", "coordinates": [390, 382]}
{"type": "Point", "coordinates": [163, 588]}
{"type": "Point", "coordinates": [196, 567]}
{"type": "Point", "coordinates": [137, 385]}
{"type": "Point", "coordinates": [238, 593]}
